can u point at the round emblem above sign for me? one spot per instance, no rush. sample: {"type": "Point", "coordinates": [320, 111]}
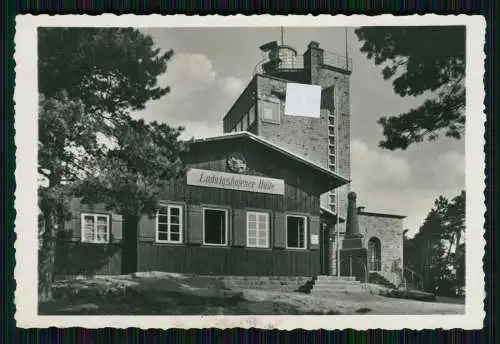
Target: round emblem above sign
{"type": "Point", "coordinates": [236, 163]}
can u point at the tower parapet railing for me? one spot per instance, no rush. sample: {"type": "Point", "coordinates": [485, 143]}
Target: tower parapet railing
{"type": "Point", "coordinates": [290, 63]}
{"type": "Point", "coordinates": [337, 61]}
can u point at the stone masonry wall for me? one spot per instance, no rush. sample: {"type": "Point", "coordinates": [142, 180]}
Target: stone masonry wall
{"type": "Point", "coordinates": [301, 135]}
{"type": "Point", "coordinates": [390, 233]}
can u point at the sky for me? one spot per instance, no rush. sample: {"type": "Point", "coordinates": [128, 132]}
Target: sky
{"type": "Point", "coordinates": [211, 66]}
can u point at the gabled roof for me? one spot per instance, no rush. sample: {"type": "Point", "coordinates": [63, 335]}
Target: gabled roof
{"type": "Point", "coordinates": [335, 180]}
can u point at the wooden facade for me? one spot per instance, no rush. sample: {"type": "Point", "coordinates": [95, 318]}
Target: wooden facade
{"type": "Point", "coordinates": [303, 186]}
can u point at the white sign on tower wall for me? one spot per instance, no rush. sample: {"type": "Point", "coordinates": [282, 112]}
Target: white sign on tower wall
{"type": "Point", "coordinates": [303, 100]}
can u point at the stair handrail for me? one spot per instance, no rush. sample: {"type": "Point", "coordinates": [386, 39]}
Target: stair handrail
{"type": "Point", "coordinates": [365, 269]}
{"type": "Point", "coordinates": [414, 273]}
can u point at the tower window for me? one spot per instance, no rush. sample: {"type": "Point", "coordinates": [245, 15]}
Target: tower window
{"type": "Point", "coordinates": [251, 116]}
{"type": "Point", "coordinates": [244, 122]}
{"type": "Point", "coordinates": [270, 112]}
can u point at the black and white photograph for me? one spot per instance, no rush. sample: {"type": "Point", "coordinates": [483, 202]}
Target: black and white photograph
{"type": "Point", "coordinates": [243, 171]}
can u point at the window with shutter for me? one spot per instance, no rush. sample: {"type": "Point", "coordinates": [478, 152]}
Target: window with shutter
{"type": "Point", "coordinates": [257, 229]}
{"type": "Point", "coordinates": [215, 225]}
{"type": "Point", "coordinates": [95, 228]}
{"type": "Point", "coordinates": [169, 224]}
{"type": "Point", "coordinates": [296, 232]}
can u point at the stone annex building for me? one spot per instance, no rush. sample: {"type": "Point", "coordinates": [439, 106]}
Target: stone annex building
{"type": "Point", "coordinates": [258, 200]}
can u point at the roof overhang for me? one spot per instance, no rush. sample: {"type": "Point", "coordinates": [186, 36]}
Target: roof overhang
{"type": "Point", "coordinates": [393, 216]}
{"type": "Point", "coordinates": [334, 180]}
{"type": "Point", "coordinates": [332, 216]}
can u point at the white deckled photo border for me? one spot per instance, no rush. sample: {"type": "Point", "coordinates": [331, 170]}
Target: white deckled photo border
{"type": "Point", "coordinates": [26, 118]}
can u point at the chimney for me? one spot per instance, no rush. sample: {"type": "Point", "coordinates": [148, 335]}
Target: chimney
{"type": "Point", "coordinates": [313, 45]}
{"type": "Point", "coordinates": [352, 226]}
{"type": "Point", "coordinates": [313, 61]}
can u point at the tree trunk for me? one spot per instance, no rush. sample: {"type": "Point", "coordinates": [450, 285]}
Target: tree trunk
{"type": "Point", "coordinates": [46, 259]}
{"type": "Point", "coordinates": [456, 263]}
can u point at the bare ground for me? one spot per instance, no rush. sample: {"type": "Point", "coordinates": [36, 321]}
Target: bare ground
{"type": "Point", "coordinates": [155, 293]}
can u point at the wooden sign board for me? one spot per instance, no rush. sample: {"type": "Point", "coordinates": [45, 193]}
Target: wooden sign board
{"type": "Point", "coordinates": [233, 181]}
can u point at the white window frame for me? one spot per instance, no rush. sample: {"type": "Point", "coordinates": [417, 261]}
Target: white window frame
{"type": "Point", "coordinates": [257, 214]}
{"type": "Point", "coordinates": [226, 213]}
{"type": "Point", "coordinates": [306, 238]}
{"type": "Point", "coordinates": [108, 228]}
{"type": "Point", "coordinates": [181, 224]}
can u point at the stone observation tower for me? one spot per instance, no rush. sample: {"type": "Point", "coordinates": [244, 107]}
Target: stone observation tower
{"type": "Point", "coordinates": [323, 139]}
{"type": "Point", "coordinates": [319, 133]}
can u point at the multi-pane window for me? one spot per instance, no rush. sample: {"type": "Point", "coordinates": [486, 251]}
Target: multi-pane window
{"type": "Point", "coordinates": [251, 116]}
{"type": "Point", "coordinates": [169, 224]}
{"type": "Point", "coordinates": [245, 122]}
{"type": "Point", "coordinates": [296, 231]}
{"type": "Point", "coordinates": [257, 229]}
{"type": "Point", "coordinates": [95, 228]}
{"type": "Point", "coordinates": [374, 263]}
{"type": "Point", "coordinates": [215, 222]}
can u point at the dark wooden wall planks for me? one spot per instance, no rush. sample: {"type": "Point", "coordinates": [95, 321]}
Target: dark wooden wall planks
{"type": "Point", "coordinates": [228, 260]}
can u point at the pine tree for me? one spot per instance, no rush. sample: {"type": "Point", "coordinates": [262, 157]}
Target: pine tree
{"type": "Point", "coordinates": [428, 59]}
{"type": "Point", "coordinates": [89, 81]}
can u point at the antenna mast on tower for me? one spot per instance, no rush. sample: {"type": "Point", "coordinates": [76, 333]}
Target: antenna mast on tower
{"type": "Point", "coordinates": [282, 42]}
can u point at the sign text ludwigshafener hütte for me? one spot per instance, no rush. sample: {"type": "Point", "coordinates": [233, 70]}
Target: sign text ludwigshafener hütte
{"type": "Point", "coordinates": [233, 181]}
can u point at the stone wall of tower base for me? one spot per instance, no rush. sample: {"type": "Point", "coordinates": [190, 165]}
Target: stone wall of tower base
{"type": "Point", "coordinates": [388, 230]}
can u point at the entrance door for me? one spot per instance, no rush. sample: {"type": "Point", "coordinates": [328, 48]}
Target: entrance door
{"type": "Point", "coordinates": [324, 249]}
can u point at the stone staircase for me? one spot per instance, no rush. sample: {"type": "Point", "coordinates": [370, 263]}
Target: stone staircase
{"type": "Point", "coordinates": [319, 285]}
{"type": "Point", "coordinates": [324, 285]}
